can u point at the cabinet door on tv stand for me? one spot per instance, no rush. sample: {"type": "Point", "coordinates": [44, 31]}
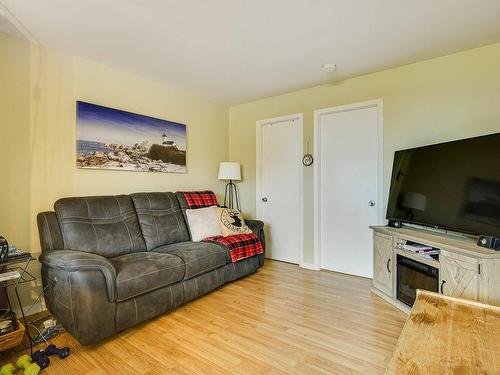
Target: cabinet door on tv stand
{"type": "Point", "coordinates": [489, 282]}
{"type": "Point", "coordinates": [459, 275]}
{"type": "Point", "coordinates": [382, 263]}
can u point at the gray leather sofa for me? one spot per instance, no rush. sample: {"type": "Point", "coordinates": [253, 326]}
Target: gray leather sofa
{"type": "Point", "coordinates": [111, 262]}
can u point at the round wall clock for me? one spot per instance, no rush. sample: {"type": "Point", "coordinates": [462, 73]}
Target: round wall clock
{"type": "Point", "coordinates": [307, 160]}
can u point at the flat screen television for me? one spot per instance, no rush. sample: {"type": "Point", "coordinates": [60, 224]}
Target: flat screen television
{"type": "Point", "coordinates": [453, 185]}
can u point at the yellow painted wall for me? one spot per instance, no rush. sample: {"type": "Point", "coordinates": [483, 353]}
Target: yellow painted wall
{"type": "Point", "coordinates": [38, 133]}
{"type": "Point", "coordinates": [15, 157]}
{"type": "Point", "coordinates": [437, 100]}
{"type": "Point", "coordinates": [38, 90]}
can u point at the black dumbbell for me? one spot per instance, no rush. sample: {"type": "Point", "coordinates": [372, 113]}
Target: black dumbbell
{"type": "Point", "coordinates": [41, 359]}
{"type": "Point", "coordinates": [60, 352]}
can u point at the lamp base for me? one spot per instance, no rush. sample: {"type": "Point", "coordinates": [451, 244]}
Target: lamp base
{"type": "Point", "coordinates": [231, 195]}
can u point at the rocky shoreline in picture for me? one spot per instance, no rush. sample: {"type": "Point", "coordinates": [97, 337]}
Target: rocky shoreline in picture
{"type": "Point", "coordinates": [140, 157]}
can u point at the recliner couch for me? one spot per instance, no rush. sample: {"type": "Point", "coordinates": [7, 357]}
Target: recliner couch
{"type": "Point", "coordinates": [111, 262]}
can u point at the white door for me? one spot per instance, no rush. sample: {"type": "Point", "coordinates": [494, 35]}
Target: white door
{"type": "Point", "coordinates": [347, 142]}
{"type": "Point", "coordinates": [279, 179]}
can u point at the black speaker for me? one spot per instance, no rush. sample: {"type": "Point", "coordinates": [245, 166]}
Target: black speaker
{"type": "Point", "coordinates": [395, 223]}
{"type": "Point", "coordinates": [489, 242]}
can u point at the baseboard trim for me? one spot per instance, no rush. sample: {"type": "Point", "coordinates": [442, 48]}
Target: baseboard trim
{"type": "Point", "coordinates": [309, 266]}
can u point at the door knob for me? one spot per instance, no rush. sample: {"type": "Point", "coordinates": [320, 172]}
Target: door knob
{"type": "Point", "coordinates": [264, 199]}
{"type": "Point", "coordinates": [371, 203]}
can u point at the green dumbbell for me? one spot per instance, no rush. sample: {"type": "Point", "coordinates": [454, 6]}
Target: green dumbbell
{"type": "Point", "coordinates": [8, 369]}
{"type": "Point", "coordinates": [25, 363]}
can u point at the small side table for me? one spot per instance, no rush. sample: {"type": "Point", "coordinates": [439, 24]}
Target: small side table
{"type": "Point", "coordinates": [18, 263]}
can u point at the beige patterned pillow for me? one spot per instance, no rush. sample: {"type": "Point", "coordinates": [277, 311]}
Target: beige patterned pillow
{"type": "Point", "coordinates": [231, 222]}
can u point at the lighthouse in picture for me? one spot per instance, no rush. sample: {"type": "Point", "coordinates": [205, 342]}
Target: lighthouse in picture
{"type": "Point", "coordinates": [166, 142]}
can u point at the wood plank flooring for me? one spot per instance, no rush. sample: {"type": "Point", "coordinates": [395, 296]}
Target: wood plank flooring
{"type": "Point", "coordinates": [281, 320]}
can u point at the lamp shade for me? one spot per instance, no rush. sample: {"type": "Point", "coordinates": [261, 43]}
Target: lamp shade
{"type": "Point", "coordinates": [229, 171]}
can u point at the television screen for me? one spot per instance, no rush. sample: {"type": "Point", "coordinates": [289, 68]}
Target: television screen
{"type": "Point", "coordinates": [453, 185]}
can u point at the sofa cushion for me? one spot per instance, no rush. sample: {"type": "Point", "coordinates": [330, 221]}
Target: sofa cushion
{"type": "Point", "coordinates": [139, 273]}
{"type": "Point", "coordinates": [199, 257]}
{"type": "Point", "coordinates": [106, 225]}
{"type": "Point", "coordinates": [160, 218]}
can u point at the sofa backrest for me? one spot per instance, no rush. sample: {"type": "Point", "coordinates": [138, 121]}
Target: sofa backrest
{"type": "Point", "coordinates": [106, 225]}
{"type": "Point", "coordinates": [160, 218]}
{"type": "Point", "coordinates": [182, 201]}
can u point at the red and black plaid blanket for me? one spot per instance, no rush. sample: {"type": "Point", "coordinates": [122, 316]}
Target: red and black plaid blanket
{"type": "Point", "coordinates": [200, 199]}
{"type": "Point", "coordinates": [240, 246]}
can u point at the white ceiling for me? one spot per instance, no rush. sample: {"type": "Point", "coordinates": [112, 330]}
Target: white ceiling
{"type": "Point", "coordinates": [233, 51]}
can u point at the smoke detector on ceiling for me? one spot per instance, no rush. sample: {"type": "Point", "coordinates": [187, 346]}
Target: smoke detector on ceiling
{"type": "Point", "coordinates": [329, 68]}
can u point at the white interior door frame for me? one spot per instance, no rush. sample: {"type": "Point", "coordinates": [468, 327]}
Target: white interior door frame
{"type": "Point", "coordinates": [258, 172]}
{"type": "Point", "coordinates": [379, 104]}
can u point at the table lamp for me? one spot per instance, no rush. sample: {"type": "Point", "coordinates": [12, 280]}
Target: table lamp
{"type": "Point", "coordinates": [232, 172]}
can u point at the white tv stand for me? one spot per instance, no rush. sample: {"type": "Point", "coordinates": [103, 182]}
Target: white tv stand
{"type": "Point", "coordinates": [465, 269]}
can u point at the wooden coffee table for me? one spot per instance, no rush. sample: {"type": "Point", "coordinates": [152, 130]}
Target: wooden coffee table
{"type": "Point", "coordinates": [445, 335]}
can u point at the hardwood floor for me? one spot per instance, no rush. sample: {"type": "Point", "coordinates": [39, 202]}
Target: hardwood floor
{"type": "Point", "coordinates": [282, 319]}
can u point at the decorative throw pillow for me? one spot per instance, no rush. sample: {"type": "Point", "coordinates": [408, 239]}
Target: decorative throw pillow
{"type": "Point", "coordinates": [203, 223]}
{"type": "Point", "coordinates": [231, 222]}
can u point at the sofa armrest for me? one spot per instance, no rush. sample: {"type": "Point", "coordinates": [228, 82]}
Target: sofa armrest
{"type": "Point", "coordinates": [257, 227]}
{"type": "Point", "coordinates": [80, 261]}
